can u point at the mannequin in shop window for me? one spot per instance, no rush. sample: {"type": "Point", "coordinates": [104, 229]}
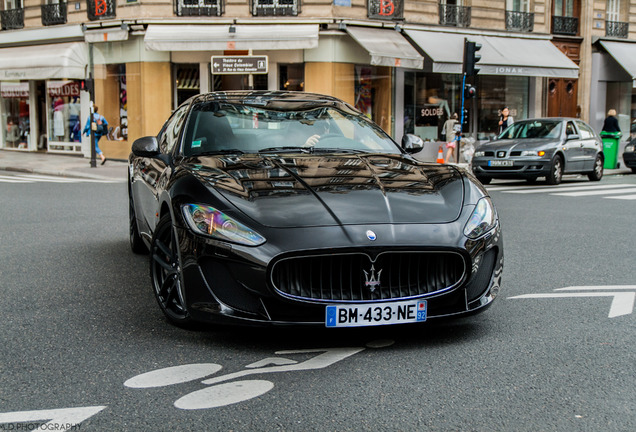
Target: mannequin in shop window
{"type": "Point", "coordinates": [58, 119]}
{"type": "Point", "coordinates": [12, 133]}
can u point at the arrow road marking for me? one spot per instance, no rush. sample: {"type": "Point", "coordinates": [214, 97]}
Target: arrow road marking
{"type": "Point", "coordinates": [622, 304]}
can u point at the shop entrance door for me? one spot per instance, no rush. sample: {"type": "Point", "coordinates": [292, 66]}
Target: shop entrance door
{"type": "Point", "coordinates": [562, 98]}
{"type": "Point", "coordinates": [40, 113]}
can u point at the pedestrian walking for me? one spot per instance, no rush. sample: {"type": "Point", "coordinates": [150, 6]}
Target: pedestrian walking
{"type": "Point", "coordinates": [505, 119]}
{"type": "Point", "coordinates": [100, 131]}
{"type": "Point", "coordinates": [611, 122]}
{"type": "Point", "coordinates": [450, 132]}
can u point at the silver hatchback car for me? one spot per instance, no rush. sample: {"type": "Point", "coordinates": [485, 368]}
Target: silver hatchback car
{"type": "Point", "coordinates": [543, 147]}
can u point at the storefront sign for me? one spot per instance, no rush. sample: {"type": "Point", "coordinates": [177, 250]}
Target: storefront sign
{"type": "Point", "coordinates": [63, 88]}
{"type": "Point", "coordinates": [229, 65]}
{"type": "Point", "coordinates": [386, 9]}
{"type": "Point", "coordinates": [14, 90]}
{"type": "Point", "coordinates": [100, 9]}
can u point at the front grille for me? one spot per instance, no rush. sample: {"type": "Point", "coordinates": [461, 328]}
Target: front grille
{"type": "Point", "coordinates": [354, 277]}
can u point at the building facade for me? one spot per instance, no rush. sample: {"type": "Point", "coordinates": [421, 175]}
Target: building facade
{"type": "Point", "coordinates": [397, 61]}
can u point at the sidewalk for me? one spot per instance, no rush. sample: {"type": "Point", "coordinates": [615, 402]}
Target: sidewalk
{"type": "Point", "coordinates": [62, 165]}
{"type": "Point", "coordinates": [77, 166]}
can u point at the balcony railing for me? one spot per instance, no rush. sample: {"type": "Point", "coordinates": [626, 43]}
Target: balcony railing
{"type": "Point", "coordinates": [12, 19]}
{"type": "Point", "coordinates": [275, 7]}
{"type": "Point", "coordinates": [519, 21]}
{"type": "Point", "coordinates": [453, 15]}
{"type": "Point", "coordinates": [565, 25]}
{"type": "Point", "coordinates": [53, 14]}
{"type": "Point", "coordinates": [616, 29]}
{"type": "Point", "coordinates": [199, 7]}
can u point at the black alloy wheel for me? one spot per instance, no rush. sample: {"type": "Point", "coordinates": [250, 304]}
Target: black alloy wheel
{"type": "Point", "coordinates": [484, 180]}
{"type": "Point", "coordinates": [556, 171]}
{"type": "Point", "coordinates": [136, 242]}
{"type": "Point", "coordinates": [597, 174]}
{"type": "Point", "coordinates": [165, 273]}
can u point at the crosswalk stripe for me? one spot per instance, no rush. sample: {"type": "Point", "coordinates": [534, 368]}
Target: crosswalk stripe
{"type": "Point", "coordinates": [623, 197]}
{"type": "Point", "coordinates": [559, 189]}
{"type": "Point", "coordinates": [6, 179]}
{"type": "Point", "coordinates": [596, 192]}
{"type": "Point", "coordinates": [34, 178]}
{"type": "Point", "coordinates": [43, 178]}
{"type": "Point", "coordinates": [537, 187]}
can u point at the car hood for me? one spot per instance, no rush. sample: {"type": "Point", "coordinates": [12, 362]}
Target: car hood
{"type": "Point", "coordinates": [519, 144]}
{"type": "Point", "coordinates": [297, 190]}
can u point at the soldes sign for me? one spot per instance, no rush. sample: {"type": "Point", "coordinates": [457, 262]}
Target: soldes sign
{"type": "Point", "coordinates": [66, 89]}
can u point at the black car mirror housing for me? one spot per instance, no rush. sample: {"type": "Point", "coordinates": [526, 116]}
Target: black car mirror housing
{"type": "Point", "coordinates": [146, 147]}
{"type": "Point", "coordinates": [412, 143]}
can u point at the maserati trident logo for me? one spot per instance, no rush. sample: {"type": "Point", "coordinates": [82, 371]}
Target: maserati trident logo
{"type": "Point", "coordinates": [372, 280]}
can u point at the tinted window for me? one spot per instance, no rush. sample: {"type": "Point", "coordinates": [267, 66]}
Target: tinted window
{"type": "Point", "coordinates": [169, 135]}
{"type": "Point", "coordinates": [585, 130]}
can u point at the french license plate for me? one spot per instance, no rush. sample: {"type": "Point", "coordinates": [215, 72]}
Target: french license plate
{"type": "Point", "coordinates": [500, 163]}
{"type": "Point", "coordinates": [360, 315]}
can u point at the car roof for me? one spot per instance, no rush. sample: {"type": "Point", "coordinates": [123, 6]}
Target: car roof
{"type": "Point", "coordinates": [550, 119]}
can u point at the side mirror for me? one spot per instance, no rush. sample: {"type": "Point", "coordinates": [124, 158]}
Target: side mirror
{"type": "Point", "coordinates": [146, 147]}
{"type": "Point", "coordinates": [412, 143]}
{"type": "Point", "coordinates": [573, 137]}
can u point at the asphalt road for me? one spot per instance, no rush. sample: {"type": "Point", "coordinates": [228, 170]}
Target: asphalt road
{"type": "Point", "coordinates": [81, 332]}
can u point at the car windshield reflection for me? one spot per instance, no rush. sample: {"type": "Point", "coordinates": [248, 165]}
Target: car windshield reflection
{"type": "Point", "coordinates": [221, 127]}
{"type": "Point", "coordinates": [540, 129]}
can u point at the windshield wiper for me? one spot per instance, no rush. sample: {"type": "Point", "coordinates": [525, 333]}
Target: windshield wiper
{"type": "Point", "coordinates": [287, 149]}
{"type": "Point", "coordinates": [223, 152]}
{"type": "Point", "coordinates": [338, 150]}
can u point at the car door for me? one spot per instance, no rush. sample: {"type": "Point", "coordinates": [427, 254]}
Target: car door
{"type": "Point", "coordinates": [151, 171]}
{"type": "Point", "coordinates": [573, 148]}
{"type": "Point", "coordinates": [591, 145]}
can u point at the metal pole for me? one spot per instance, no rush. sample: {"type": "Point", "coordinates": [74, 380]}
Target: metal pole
{"type": "Point", "coordinates": [92, 124]}
{"type": "Point", "coordinates": [461, 121]}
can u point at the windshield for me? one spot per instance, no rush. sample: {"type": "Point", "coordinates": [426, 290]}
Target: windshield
{"type": "Point", "coordinates": [533, 129]}
{"type": "Point", "coordinates": [222, 127]}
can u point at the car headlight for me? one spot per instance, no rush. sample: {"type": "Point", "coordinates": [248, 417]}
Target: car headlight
{"type": "Point", "coordinates": [208, 221]}
{"type": "Point", "coordinates": [480, 153]}
{"type": "Point", "coordinates": [629, 148]}
{"type": "Point", "coordinates": [482, 220]}
{"type": "Point", "coordinates": [532, 153]}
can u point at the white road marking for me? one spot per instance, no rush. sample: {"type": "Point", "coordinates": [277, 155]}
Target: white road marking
{"type": "Point", "coordinates": [173, 375]}
{"type": "Point", "coordinates": [58, 419]}
{"type": "Point", "coordinates": [597, 192]}
{"type": "Point", "coordinates": [224, 394]}
{"type": "Point", "coordinates": [622, 303]}
{"type": "Point", "coordinates": [624, 197]}
{"type": "Point", "coordinates": [559, 189]}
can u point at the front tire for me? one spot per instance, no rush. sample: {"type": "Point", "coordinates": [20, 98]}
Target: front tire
{"type": "Point", "coordinates": [556, 171]}
{"type": "Point", "coordinates": [597, 174]}
{"type": "Point", "coordinates": [166, 273]}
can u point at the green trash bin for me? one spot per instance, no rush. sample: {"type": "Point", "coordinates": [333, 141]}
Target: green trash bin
{"type": "Point", "coordinates": [611, 141]}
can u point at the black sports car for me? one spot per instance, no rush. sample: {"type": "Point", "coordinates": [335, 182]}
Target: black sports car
{"type": "Point", "coordinates": [290, 207]}
{"type": "Point", "coordinates": [544, 147]}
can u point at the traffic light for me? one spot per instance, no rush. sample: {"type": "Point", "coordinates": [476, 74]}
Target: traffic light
{"type": "Point", "coordinates": [469, 91]}
{"type": "Point", "coordinates": [87, 85]}
{"type": "Point", "coordinates": [471, 57]}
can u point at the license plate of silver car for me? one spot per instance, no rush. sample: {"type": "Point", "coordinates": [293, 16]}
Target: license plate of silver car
{"type": "Point", "coordinates": [500, 163]}
{"type": "Point", "coordinates": [361, 315]}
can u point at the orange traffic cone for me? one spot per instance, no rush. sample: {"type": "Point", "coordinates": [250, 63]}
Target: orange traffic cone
{"type": "Point", "coordinates": [440, 155]}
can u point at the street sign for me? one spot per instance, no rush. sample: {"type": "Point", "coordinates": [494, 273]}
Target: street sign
{"type": "Point", "coordinates": [235, 65]}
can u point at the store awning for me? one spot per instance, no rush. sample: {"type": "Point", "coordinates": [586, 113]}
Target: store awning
{"type": "Point", "coordinates": [387, 47]}
{"type": "Point", "coordinates": [230, 37]}
{"type": "Point", "coordinates": [65, 60]}
{"type": "Point", "coordinates": [624, 54]}
{"type": "Point", "coordinates": [500, 55]}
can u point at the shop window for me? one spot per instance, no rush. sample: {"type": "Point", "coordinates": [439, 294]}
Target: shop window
{"type": "Point", "coordinates": [275, 7]}
{"type": "Point", "coordinates": [63, 111]}
{"type": "Point", "coordinates": [292, 77]}
{"type": "Point", "coordinates": [199, 7]}
{"type": "Point", "coordinates": [15, 114]}
{"type": "Point", "coordinates": [430, 100]}
{"type": "Point", "coordinates": [373, 94]}
{"type": "Point", "coordinates": [100, 9]}
{"type": "Point", "coordinates": [496, 93]}
{"type": "Point", "coordinates": [12, 15]}
{"type": "Point", "coordinates": [53, 12]}
{"type": "Point", "coordinates": [188, 82]}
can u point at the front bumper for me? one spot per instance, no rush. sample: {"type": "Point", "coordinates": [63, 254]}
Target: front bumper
{"type": "Point", "coordinates": [629, 158]}
{"type": "Point", "coordinates": [521, 168]}
{"type": "Point", "coordinates": [229, 283]}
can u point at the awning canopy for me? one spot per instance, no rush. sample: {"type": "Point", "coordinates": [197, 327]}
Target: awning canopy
{"type": "Point", "coordinates": [65, 60]}
{"type": "Point", "coordinates": [624, 54]}
{"type": "Point", "coordinates": [387, 47]}
{"type": "Point", "coordinates": [230, 37]}
{"type": "Point", "coordinates": [500, 55]}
